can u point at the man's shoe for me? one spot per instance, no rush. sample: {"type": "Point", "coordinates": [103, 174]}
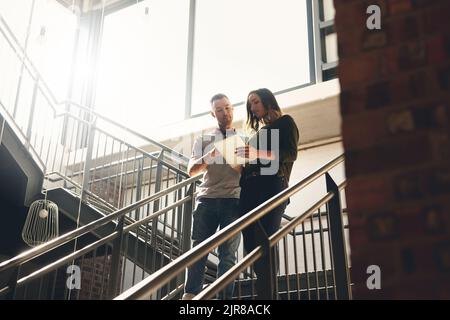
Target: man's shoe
{"type": "Point", "coordinates": [188, 296]}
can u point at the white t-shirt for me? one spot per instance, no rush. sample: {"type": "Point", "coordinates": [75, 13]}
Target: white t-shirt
{"type": "Point", "coordinates": [219, 180]}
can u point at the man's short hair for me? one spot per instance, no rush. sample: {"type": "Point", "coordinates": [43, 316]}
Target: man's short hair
{"type": "Point", "coordinates": [218, 97]}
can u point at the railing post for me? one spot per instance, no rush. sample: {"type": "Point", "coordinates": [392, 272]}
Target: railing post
{"type": "Point", "coordinates": [88, 159]}
{"type": "Point", "coordinates": [187, 220]}
{"type": "Point", "coordinates": [12, 283]}
{"type": "Point", "coordinates": [31, 115]}
{"type": "Point", "coordinates": [138, 186]}
{"type": "Point", "coordinates": [266, 270]}
{"type": "Point", "coordinates": [338, 248]}
{"type": "Point", "coordinates": [154, 228]}
{"type": "Point", "coordinates": [115, 260]}
{"type": "Point", "coordinates": [185, 244]}
{"type": "Point", "coordinates": [158, 183]}
{"type": "Point", "coordinates": [180, 211]}
{"type": "Point", "coordinates": [2, 128]}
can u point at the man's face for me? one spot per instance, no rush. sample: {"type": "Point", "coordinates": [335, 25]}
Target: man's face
{"type": "Point", "coordinates": [222, 110]}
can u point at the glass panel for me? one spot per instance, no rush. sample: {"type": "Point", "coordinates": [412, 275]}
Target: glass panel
{"type": "Point", "coordinates": [142, 72]}
{"type": "Point", "coordinates": [51, 44]}
{"type": "Point", "coordinates": [16, 15]}
{"type": "Point", "coordinates": [331, 47]}
{"type": "Point", "coordinates": [328, 10]}
{"type": "Point", "coordinates": [245, 45]}
{"type": "Point", "coordinates": [10, 72]}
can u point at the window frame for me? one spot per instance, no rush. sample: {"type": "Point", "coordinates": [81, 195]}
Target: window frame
{"type": "Point", "coordinates": [318, 29]}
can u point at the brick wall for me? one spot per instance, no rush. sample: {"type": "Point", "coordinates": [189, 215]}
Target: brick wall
{"type": "Point", "coordinates": [396, 120]}
{"type": "Point", "coordinates": [108, 189]}
{"type": "Point", "coordinates": [95, 274]}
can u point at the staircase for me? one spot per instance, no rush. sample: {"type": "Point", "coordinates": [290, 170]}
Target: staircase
{"type": "Point", "coordinates": [75, 157]}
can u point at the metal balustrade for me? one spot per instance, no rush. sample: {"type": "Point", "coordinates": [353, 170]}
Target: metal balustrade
{"type": "Point", "coordinates": [325, 276]}
{"type": "Point", "coordinates": [124, 249]}
{"type": "Point", "coordinates": [79, 151]}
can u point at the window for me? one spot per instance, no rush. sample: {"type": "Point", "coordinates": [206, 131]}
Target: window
{"type": "Point", "coordinates": [326, 51]}
{"type": "Point", "coordinates": [142, 74]}
{"type": "Point", "coordinates": [244, 45]}
{"type": "Point", "coordinates": [15, 14]}
{"type": "Point", "coordinates": [47, 31]}
{"type": "Point", "coordinates": [136, 52]}
{"type": "Point", "coordinates": [51, 44]}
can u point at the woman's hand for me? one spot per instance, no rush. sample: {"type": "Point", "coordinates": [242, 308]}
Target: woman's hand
{"type": "Point", "coordinates": [251, 153]}
{"type": "Point", "coordinates": [248, 152]}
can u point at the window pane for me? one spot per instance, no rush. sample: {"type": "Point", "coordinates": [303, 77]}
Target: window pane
{"type": "Point", "coordinates": [331, 47]}
{"type": "Point", "coordinates": [51, 44]}
{"type": "Point", "coordinates": [142, 72]}
{"type": "Point", "coordinates": [328, 10]}
{"type": "Point", "coordinates": [245, 45]}
{"type": "Point", "coordinates": [16, 16]}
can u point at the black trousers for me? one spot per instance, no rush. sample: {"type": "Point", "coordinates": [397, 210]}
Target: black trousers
{"type": "Point", "coordinates": [254, 191]}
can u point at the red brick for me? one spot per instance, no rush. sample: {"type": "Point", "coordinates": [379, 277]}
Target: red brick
{"type": "Point", "coordinates": [436, 50]}
{"type": "Point", "coordinates": [363, 256]}
{"type": "Point", "coordinates": [359, 69]}
{"type": "Point", "coordinates": [400, 152]}
{"type": "Point", "coordinates": [435, 20]}
{"type": "Point", "coordinates": [399, 6]}
{"type": "Point", "coordinates": [395, 126]}
{"type": "Point", "coordinates": [369, 192]}
{"type": "Point", "coordinates": [403, 29]}
{"type": "Point", "coordinates": [352, 15]}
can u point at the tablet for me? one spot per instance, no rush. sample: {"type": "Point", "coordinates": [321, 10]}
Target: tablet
{"type": "Point", "coordinates": [227, 148]}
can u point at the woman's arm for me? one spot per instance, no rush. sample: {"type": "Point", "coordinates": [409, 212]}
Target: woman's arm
{"type": "Point", "coordinates": [289, 137]}
{"type": "Point", "coordinates": [287, 144]}
{"type": "Point", "coordinates": [251, 153]}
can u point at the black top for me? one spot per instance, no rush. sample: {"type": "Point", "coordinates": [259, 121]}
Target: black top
{"type": "Point", "coordinates": [281, 137]}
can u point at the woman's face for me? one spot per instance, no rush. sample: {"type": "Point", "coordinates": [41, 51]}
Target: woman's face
{"type": "Point", "coordinates": [256, 106]}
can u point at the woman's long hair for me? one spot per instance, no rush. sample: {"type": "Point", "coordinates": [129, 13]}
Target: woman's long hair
{"type": "Point", "coordinates": [269, 102]}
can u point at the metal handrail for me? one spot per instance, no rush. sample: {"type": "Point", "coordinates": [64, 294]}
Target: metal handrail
{"type": "Point", "coordinates": [144, 153]}
{"type": "Point", "coordinates": [88, 192]}
{"type": "Point", "coordinates": [162, 146]}
{"type": "Point", "coordinates": [312, 231]}
{"type": "Point", "coordinates": [223, 280]}
{"type": "Point", "coordinates": [54, 243]}
{"type": "Point", "coordinates": [94, 196]}
{"type": "Point", "coordinates": [25, 57]}
{"type": "Point", "coordinates": [159, 278]}
{"type": "Point", "coordinates": [76, 254]}
{"type": "Point", "coordinates": [17, 131]}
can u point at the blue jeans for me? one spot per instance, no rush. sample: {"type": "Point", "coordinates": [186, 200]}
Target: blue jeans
{"type": "Point", "coordinates": [210, 214]}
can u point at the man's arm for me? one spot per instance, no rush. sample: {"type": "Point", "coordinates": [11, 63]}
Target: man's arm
{"type": "Point", "coordinates": [197, 166]}
{"type": "Point", "coordinates": [237, 168]}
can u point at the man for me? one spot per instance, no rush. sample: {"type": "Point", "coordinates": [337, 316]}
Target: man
{"type": "Point", "coordinates": [218, 198]}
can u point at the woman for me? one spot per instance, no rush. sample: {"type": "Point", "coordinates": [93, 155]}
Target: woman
{"type": "Point", "coordinates": [270, 153]}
